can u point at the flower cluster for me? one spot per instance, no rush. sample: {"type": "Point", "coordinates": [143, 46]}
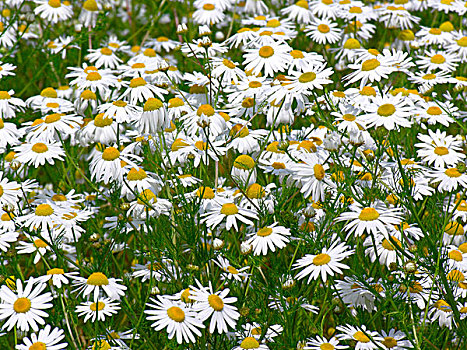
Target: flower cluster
{"type": "Point", "coordinates": [222, 174]}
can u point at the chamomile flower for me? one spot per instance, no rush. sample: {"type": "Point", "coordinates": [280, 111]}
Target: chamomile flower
{"type": "Point", "coordinates": [321, 343]}
{"type": "Point", "coordinates": [389, 111]}
{"type": "Point", "coordinates": [139, 90]}
{"type": "Point", "coordinates": [230, 272]}
{"type": "Point", "coordinates": [439, 149]}
{"type": "Point", "coordinates": [97, 283]}
{"type": "Point", "coordinates": [269, 58]}
{"type": "Point", "coordinates": [323, 31]}
{"type": "Point", "coordinates": [250, 342]}
{"type": "Point", "coordinates": [154, 117]}
{"type": "Point", "coordinates": [25, 307]}
{"type": "Point", "coordinates": [120, 111]}
{"type": "Point", "coordinates": [53, 10]}
{"type": "Point", "coordinates": [372, 219]}
{"type": "Point", "coordinates": [437, 60]}
{"type": "Point", "coordinates": [364, 338]}
{"type": "Point", "coordinates": [57, 277]}
{"type": "Point", "coordinates": [46, 339]}
{"type": "Point", "coordinates": [370, 70]}
{"type": "Point", "coordinates": [6, 69]}
{"type": "Point", "coordinates": [224, 209]}
{"type": "Point", "coordinates": [216, 307]}
{"type": "Point", "coordinates": [98, 310]}
{"type": "Point", "coordinates": [298, 12]}
{"type": "Point", "coordinates": [104, 57]}
{"type": "Point", "coordinates": [327, 263]}
{"type": "Point", "coordinates": [448, 179]}
{"type": "Point", "coordinates": [10, 105]}
{"type": "Point", "coordinates": [181, 321]}
{"type": "Point", "coordinates": [208, 13]}
{"type": "Point", "coordinates": [268, 238]}
{"type": "Point", "coordinates": [311, 79]}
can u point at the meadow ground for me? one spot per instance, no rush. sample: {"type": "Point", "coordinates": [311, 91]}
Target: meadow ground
{"type": "Point", "coordinates": [226, 174]}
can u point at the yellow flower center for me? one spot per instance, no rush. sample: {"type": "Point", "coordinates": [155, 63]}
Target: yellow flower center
{"type": "Point", "coordinates": [368, 214]}
{"type": "Point", "coordinates": [106, 51]}
{"type": "Point", "coordinates": [368, 91]}
{"type": "Point", "coordinates": [176, 102]}
{"type": "Point", "coordinates": [39, 243]}
{"type": "Point", "coordinates": [5, 216]}
{"type": "Point", "coordinates": [52, 118]}
{"type": "Point", "coordinates": [453, 172]}
{"type": "Point", "coordinates": [370, 64]}
{"type": "Point", "coordinates": [152, 104]}
{"type": "Point", "coordinates": [455, 255]}
{"type": "Point", "coordinates": [255, 84]}
{"type": "Point", "coordinates": [244, 162]}
{"type": "Point", "coordinates": [206, 192]}
{"type": "Point", "coordinates": [349, 117]}
{"type": "Point", "coordinates": [90, 5]}
{"type": "Point", "coordinates": [386, 110]}
{"type": "Point", "coordinates": [389, 342]}
{"type": "Point", "coordinates": [454, 229]}
{"type": "Point", "coordinates": [406, 35]}
{"type": "Point", "coordinates": [110, 154]}
{"type": "Point", "coordinates": [229, 209]}
{"type": "Point", "coordinates": [208, 7]}
{"type": "Point", "coordinates": [99, 306]}
{"type": "Point", "coordinates": [441, 151]}
{"type": "Point", "coordinates": [456, 275]}
{"type": "Point", "coordinates": [4, 95]}
{"type": "Point", "coordinates": [93, 76]}
{"type": "Point", "coordinates": [205, 109]}
{"type": "Point", "coordinates": [264, 232]}
{"type": "Point", "coordinates": [435, 31]}
{"type": "Point", "coordinates": [44, 210]}
{"type": "Point", "coordinates": [49, 92]}
{"type": "Point", "coordinates": [255, 191]}
{"type": "Point", "coordinates": [55, 271]}
{"type": "Point", "coordinates": [266, 51]}
{"type": "Point", "coordinates": [232, 270]}
{"type": "Point", "coordinates": [238, 130]}
{"type": "Point", "coordinates": [326, 346]}
{"type": "Point", "coordinates": [388, 245]}
{"type": "Point", "coordinates": [416, 288]}
{"type": "Point", "coordinates": [462, 42]}
{"type": "Point", "coordinates": [88, 95]}
{"type": "Point", "coordinates": [97, 279]}
{"type": "Point", "coordinates": [296, 54]}
{"type": "Point", "coordinates": [149, 53]}
{"type": "Point", "coordinates": [136, 82]}
{"type": "Point", "coordinates": [273, 23]}
{"type": "Point", "coordinates": [228, 63]}
{"type": "Point", "coordinates": [146, 196]}
{"type": "Point", "coordinates": [323, 28]}
{"type": "Point", "coordinates": [307, 77]}
{"type": "Point", "coordinates": [38, 346]}
{"type": "Point", "coordinates": [176, 314]}
{"type": "Point", "coordinates": [429, 76]}
{"type": "Point", "coordinates": [434, 110]}
{"type": "Point", "coordinates": [52, 105]}
{"type": "Point", "coordinates": [302, 3]}
{"type": "Point", "coordinates": [248, 102]}
{"type": "Point", "coordinates": [185, 296]}
{"type": "Point", "coordinates": [355, 9]}
{"type": "Point", "coordinates": [249, 343]}
{"type": "Point", "coordinates": [101, 122]}
{"type": "Point", "coordinates": [361, 337]}
{"type": "Point", "coordinates": [352, 44]}
{"type": "Point", "coordinates": [216, 302]}
{"type": "Point", "coordinates": [319, 172]}
{"type": "Point", "coordinates": [22, 305]}
{"type": "Point", "coordinates": [321, 259]}
{"type": "Point", "coordinates": [437, 59]}
{"type": "Point", "coordinates": [136, 175]}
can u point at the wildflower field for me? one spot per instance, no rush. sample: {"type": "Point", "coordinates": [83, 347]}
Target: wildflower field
{"type": "Point", "coordinates": [233, 174]}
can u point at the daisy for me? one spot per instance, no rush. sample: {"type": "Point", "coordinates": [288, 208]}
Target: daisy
{"type": "Point", "coordinates": [163, 43]}
{"type": "Point", "coordinates": [298, 12]}
{"type": "Point", "coordinates": [458, 47]}
{"type": "Point", "coordinates": [104, 57]}
{"type": "Point", "coordinates": [9, 191]}
{"type": "Point", "coordinates": [372, 219]}
{"type": "Point", "coordinates": [154, 117]}
{"type": "Point", "coordinates": [311, 175]}
{"type": "Point", "coordinates": [435, 113]}
{"type": "Point", "coordinates": [386, 251]}
{"type": "Point", "coordinates": [226, 70]}
{"type": "Point", "coordinates": [441, 311]}
{"type": "Point", "coordinates": [98, 282]}
{"type": "Point", "coordinates": [53, 10]}
{"type": "Point", "coordinates": [371, 70]}
{"type": "Point", "coordinates": [268, 238]}
{"type": "Point", "coordinates": [53, 125]}
{"type": "Point", "coordinates": [437, 60]}
{"type": "Point", "coordinates": [44, 217]}
{"type": "Point", "coordinates": [39, 153]}
{"type": "Point", "coordinates": [215, 306]}
{"type": "Point", "coordinates": [454, 233]}
{"type": "Point", "coordinates": [57, 277]}
{"type": "Point", "coordinates": [6, 238]}
{"type": "Point", "coordinates": [25, 308]}
{"type": "Point", "coordinates": [97, 311]}
{"type": "Point", "coordinates": [270, 58]}
{"type": "Point", "coordinates": [427, 80]}
{"type": "Point", "coordinates": [230, 272]}
{"type": "Point", "coordinates": [107, 166]}
{"type": "Point", "coordinates": [179, 320]}
{"type": "Point", "coordinates": [365, 339]}
{"type": "Point", "coordinates": [6, 69]}
{"type": "Point", "coordinates": [448, 179]}
{"type": "Point", "coordinates": [99, 130]}
{"type": "Point", "coordinates": [223, 208]}
{"type": "Point", "coordinates": [323, 31]}
{"type": "Point", "coordinates": [139, 90]}
{"type": "Point", "coordinates": [89, 13]}
{"type": "Point", "coordinates": [324, 264]}
{"type": "Point", "coordinates": [45, 339]}
{"type": "Point", "coordinates": [10, 105]}
{"type": "Point", "coordinates": [208, 14]}
{"type": "Point", "coordinates": [321, 343]}
{"type": "Point", "coordinates": [439, 149]}
{"type": "Point", "coordinates": [120, 111]}
{"type": "Point", "coordinates": [311, 79]}
{"type": "Point", "coordinates": [37, 246]}
{"type": "Point", "coordinates": [250, 342]}
{"type": "Point", "coordinates": [355, 294]}
{"type": "Point", "coordinates": [388, 111]}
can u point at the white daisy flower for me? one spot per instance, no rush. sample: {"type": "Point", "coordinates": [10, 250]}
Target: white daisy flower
{"type": "Point", "coordinates": [269, 58]}
{"type": "Point", "coordinates": [45, 339]}
{"type": "Point", "coordinates": [97, 311]}
{"type": "Point", "coordinates": [224, 209]}
{"type": "Point", "coordinates": [53, 10]}
{"type": "Point", "coordinates": [268, 238]}
{"type": "Point", "coordinates": [96, 283]}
